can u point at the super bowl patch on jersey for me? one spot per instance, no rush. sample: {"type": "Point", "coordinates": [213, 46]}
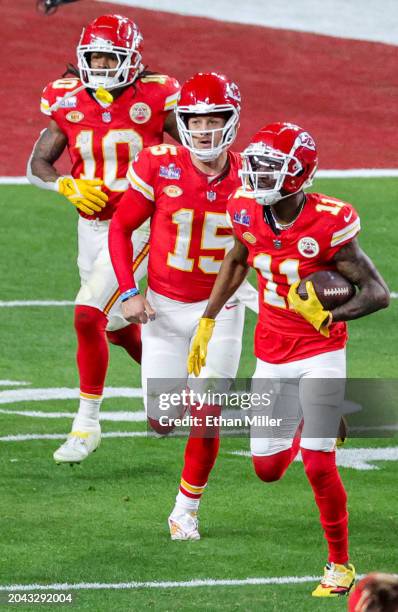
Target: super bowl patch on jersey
{"type": "Point", "coordinates": [67, 102]}
{"type": "Point", "coordinates": [140, 112]}
{"type": "Point", "coordinates": [308, 247]}
{"type": "Point", "coordinates": [170, 172]}
{"type": "Point", "coordinates": [242, 218]}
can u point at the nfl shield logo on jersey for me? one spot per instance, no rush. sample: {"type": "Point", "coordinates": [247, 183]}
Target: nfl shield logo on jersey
{"type": "Point", "coordinates": [211, 196]}
{"type": "Point", "coordinates": [106, 117]}
{"type": "Point", "coordinates": [308, 247]}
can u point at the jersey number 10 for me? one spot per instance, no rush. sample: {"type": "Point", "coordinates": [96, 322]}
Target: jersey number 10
{"type": "Point", "coordinates": [109, 144]}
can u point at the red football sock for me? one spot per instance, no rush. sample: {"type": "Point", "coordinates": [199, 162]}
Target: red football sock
{"type": "Point", "coordinates": [200, 453]}
{"type": "Point", "coordinates": [92, 348]}
{"type": "Point", "coordinates": [129, 338]}
{"type": "Point", "coordinates": [331, 500]}
{"type": "Point", "coordinates": [272, 467]}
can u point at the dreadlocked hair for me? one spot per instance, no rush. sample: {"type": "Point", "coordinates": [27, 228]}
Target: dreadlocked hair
{"type": "Point", "coordinates": [74, 71]}
{"type": "Point", "coordinates": [71, 69]}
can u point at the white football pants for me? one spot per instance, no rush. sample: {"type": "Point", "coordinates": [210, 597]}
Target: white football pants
{"type": "Point", "coordinates": [99, 286]}
{"type": "Point", "coordinates": [312, 389]}
{"type": "Point", "coordinates": [166, 343]}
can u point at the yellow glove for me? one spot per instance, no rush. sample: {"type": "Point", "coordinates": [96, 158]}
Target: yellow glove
{"type": "Point", "coordinates": [83, 193]}
{"type": "Point", "coordinates": [198, 353]}
{"type": "Point", "coordinates": [311, 308]}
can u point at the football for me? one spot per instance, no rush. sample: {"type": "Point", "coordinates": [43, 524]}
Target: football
{"type": "Point", "coordinates": [331, 288]}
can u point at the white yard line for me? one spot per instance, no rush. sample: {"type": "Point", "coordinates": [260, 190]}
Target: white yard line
{"type": "Point", "coordinates": [14, 383]}
{"type": "Point", "coordinates": [355, 458]}
{"type": "Point", "coordinates": [14, 180]}
{"type": "Point", "coordinates": [358, 173]}
{"type": "Point", "coordinates": [349, 173]}
{"type": "Point", "coordinates": [117, 416]}
{"type": "Point", "coordinates": [207, 582]}
{"type": "Point", "coordinates": [110, 434]}
{"type": "Point", "coordinates": [11, 396]}
{"type": "Point", "coordinates": [342, 18]}
{"type": "Point", "coordinates": [29, 303]}
{"type": "Point", "coordinates": [24, 303]}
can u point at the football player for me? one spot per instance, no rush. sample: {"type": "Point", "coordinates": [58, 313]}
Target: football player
{"type": "Point", "coordinates": [376, 592]}
{"type": "Point", "coordinates": [184, 191]}
{"type": "Point", "coordinates": [102, 132]}
{"type": "Point", "coordinates": [286, 234]}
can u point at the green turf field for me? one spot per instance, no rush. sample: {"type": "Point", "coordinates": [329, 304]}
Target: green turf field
{"type": "Point", "coordinates": [105, 521]}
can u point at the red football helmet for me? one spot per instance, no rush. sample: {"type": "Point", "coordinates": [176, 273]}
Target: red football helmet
{"type": "Point", "coordinates": [280, 160]}
{"type": "Point", "coordinates": [110, 34]}
{"type": "Point", "coordinates": [203, 94]}
{"type": "Point", "coordinates": [377, 591]}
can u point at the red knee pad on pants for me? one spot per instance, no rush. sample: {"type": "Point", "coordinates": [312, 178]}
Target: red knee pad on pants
{"type": "Point", "coordinates": [272, 467]}
{"type": "Point", "coordinates": [159, 428]}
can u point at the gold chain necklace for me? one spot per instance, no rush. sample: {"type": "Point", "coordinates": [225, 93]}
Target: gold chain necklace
{"type": "Point", "coordinates": [285, 226]}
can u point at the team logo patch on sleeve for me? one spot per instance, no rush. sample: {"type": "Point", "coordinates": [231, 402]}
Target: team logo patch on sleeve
{"type": "Point", "coordinates": [140, 112]}
{"type": "Point", "coordinates": [74, 116]}
{"type": "Point", "coordinates": [308, 247]}
{"type": "Point", "coordinates": [242, 218]}
{"type": "Point", "coordinates": [170, 172]}
{"type": "Point", "coordinates": [173, 191]}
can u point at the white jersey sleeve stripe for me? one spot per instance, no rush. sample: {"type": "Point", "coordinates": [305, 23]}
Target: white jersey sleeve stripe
{"type": "Point", "coordinates": [45, 107]}
{"type": "Point", "coordinates": [140, 185]}
{"type": "Point", "coordinates": [346, 233]}
{"type": "Point", "coordinates": [171, 101]}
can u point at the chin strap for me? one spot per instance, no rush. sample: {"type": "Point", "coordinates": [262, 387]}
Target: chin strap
{"type": "Point", "coordinates": [269, 218]}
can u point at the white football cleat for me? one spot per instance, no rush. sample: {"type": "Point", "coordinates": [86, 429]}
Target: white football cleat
{"type": "Point", "coordinates": [184, 526]}
{"type": "Point", "coordinates": [78, 446]}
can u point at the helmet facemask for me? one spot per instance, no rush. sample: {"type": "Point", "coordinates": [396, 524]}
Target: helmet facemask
{"type": "Point", "coordinates": [228, 131]}
{"type": "Point", "coordinates": [125, 72]}
{"type": "Point", "coordinates": [265, 171]}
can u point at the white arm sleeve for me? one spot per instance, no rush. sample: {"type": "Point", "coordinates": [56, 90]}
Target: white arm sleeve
{"type": "Point", "coordinates": [248, 295]}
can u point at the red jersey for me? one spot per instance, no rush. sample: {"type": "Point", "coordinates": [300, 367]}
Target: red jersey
{"type": "Point", "coordinates": [190, 232]}
{"type": "Point", "coordinates": [104, 138]}
{"type": "Point", "coordinates": [324, 225]}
